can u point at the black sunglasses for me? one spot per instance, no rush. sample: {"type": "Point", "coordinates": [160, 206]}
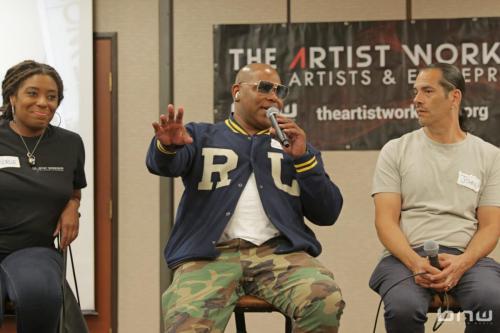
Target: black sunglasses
{"type": "Point", "coordinates": [266, 87]}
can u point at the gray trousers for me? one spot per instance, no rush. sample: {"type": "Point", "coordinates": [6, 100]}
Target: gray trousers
{"type": "Point", "coordinates": [406, 304]}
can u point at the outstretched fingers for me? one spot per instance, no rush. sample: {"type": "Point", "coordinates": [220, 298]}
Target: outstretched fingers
{"type": "Point", "coordinates": [180, 115]}
{"type": "Point", "coordinates": [170, 113]}
{"type": "Point", "coordinates": [170, 129]}
{"type": "Point", "coordinates": [156, 126]}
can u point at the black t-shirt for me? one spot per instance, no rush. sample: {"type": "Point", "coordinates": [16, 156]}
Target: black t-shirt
{"type": "Point", "coordinates": [33, 198]}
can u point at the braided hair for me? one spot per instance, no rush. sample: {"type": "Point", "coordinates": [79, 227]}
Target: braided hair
{"type": "Point", "coordinates": [17, 74]}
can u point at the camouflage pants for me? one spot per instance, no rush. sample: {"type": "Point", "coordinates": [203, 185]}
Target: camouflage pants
{"type": "Point", "coordinates": [203, 293]}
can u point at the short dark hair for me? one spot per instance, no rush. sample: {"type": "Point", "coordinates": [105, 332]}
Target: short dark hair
{"type": "Point", "coordinates": [452, 78]}
{"type": "Point", "coordinates": [17, 74]}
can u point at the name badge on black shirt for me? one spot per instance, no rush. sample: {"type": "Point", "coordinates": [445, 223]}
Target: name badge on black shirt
{"type": "Point", "coordinates": [9, 162]}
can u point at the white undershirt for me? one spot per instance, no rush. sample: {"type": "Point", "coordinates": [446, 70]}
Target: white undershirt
{"type": "Point", "coordinates": [249, 221]}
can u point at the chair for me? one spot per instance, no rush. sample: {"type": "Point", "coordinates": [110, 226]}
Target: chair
{"type": "Point", "coordinates": [9, 308]}
{"type": "Point", "coordinates": [438, 304]}
{"type": "Point", "coordinates": [248, 303]}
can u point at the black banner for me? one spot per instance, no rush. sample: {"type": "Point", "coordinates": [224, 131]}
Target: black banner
{"type": "Point", "coordinates": [351, 83]}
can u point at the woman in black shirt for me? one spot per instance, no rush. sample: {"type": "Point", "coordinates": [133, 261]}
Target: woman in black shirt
{"type": "Point", "coordinates": [41, 176]}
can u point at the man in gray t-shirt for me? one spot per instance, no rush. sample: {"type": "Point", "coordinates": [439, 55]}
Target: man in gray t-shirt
{"type": "Point", "coordinates": [438, 183]}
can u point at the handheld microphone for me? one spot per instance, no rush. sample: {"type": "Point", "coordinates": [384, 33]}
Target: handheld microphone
{"type": "Point", "coordinates": [282, 138]}
{"type": "Point", "coordinates": [431, 249]}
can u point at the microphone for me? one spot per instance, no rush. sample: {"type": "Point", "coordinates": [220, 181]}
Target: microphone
{"type": "Point", "coordinates": [271, 114]}
{"type": "Point", "coordinates": [431, 249]}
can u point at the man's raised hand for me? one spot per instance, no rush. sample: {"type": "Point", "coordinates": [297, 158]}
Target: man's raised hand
{"type": "Point", "coordinates": [170, 131]}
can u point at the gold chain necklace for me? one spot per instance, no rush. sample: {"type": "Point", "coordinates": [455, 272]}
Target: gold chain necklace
{"type": "Point", "coordinates": [31, 154]}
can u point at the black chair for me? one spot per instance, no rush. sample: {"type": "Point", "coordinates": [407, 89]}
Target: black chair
{"type": "Point", "coordinates": [248, 303]}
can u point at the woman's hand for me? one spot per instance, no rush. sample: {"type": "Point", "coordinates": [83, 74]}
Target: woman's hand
{"type": "Point", "coordinates": [69, 221]}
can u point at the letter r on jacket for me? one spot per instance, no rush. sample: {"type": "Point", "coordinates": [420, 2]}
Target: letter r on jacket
{"type": "Point", "coordinates": [223, 169]}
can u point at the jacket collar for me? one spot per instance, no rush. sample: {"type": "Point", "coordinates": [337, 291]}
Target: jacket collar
{"type": "Point", "coordinates": [236, 128]}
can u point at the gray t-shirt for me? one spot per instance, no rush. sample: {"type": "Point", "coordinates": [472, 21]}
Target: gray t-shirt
{"type": "Point", "coordinates": [441, 185]}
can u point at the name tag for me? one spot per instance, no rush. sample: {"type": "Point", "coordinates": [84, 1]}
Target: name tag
{"type": "Point", "coordinates": [469, 181]}
{"type": "Point", "coordinates": [9, 162]}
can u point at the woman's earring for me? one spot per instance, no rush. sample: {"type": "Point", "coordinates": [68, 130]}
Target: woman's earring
{"type": "Point", "coordinates": [13, 110]}
{"type": "Point", "coordinates": [59, 119]}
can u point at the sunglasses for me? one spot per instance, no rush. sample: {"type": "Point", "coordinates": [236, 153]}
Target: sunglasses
{"type": "Point", "coordinates": [266, 87]}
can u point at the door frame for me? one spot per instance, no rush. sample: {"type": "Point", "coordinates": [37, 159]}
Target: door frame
{"type": "Point", "coordinates": [112, 37]}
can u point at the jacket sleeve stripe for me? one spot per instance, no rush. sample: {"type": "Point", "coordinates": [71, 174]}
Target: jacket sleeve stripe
{"type": "Point", "coordinates": [162, 149]}
{"type": "Point", "coordinates": [307, 167]}
{"type": "Point", "coordinates": [306, 163]}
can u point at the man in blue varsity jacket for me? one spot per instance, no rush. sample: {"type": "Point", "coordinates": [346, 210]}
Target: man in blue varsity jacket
{"type": "Point", "coordinates": [240, 223]}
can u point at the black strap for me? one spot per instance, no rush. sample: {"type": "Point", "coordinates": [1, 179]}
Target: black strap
{"type": "Point", "coordinates": [74, 275]}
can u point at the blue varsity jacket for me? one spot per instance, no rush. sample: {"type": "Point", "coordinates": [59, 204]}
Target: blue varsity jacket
{"type": "Point", "coordinates": [215, 169]}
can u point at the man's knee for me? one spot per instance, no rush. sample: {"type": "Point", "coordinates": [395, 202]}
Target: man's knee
{"type": "Point", "coordinates": [323, 310]}
{"type": "Point", "coordinates": [483, 299]}
{"type": "Point", "coordinates": [185, 315]}
{"type": "Point", "coordinates": [401, 311]}
{"type": "Point", "coordinates": [482, 311]}
{"type": "Point", "coordinates": [331, 305]}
